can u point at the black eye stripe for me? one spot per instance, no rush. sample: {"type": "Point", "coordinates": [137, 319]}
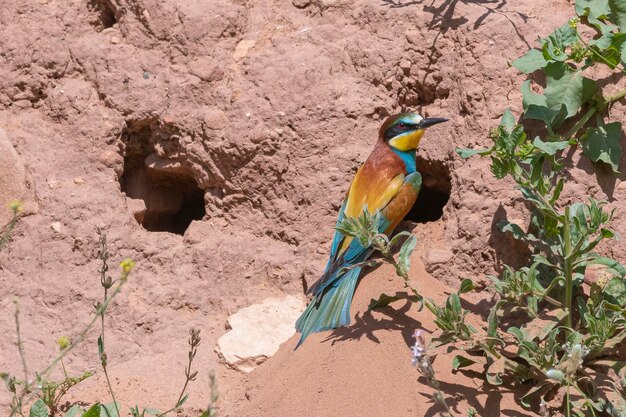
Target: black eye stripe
{"type": "Point", "coordinates": [399, 128]}
{"type": "Point", "coordinates": [404, 127]}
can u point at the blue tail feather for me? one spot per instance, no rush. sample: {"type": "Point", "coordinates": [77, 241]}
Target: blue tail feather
{"type": "Point", "coordinates": [329, 308]}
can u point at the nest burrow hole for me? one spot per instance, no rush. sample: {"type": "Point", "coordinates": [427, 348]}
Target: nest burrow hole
{"type": "Point", "coordinates": [171, 194]}
{"type": "Point", "coordinates": [435, 192]}
{"type": "Point", "coordinates": [106, 12]}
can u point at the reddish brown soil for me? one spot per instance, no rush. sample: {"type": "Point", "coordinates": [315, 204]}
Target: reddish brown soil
{"type": "Point", "coordinates": [267, 107]}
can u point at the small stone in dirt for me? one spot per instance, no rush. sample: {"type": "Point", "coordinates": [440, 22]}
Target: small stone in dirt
{"type": "Point", "coordinates": [111, 159]}
{"type": "Point", "coordinates": [301, 4]}
{"type": "Point", "coordinates": [438, 256]}
{"type": "Point", "coordinates": [137, 207]}
{"type": "Point", "coordinates": [215, 119]}
{"type": "Point", "coordinates": [258, 331]}
{"type": "Point", "coordinates": [56, 226]}
{"type": "Point", "coordinates": [207, 69]}
{"type": "Point", "coordinates": [241, 50]}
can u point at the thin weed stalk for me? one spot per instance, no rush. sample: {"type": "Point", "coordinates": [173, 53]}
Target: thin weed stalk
{"type": "Point", "coordinates": [194, 342]}
{"type": "Point", "coordinates": [26, 397]}
{"type": "Point", "coordinates": [106, 282]}
{"type": "Point", "coordinates": [20, 345]}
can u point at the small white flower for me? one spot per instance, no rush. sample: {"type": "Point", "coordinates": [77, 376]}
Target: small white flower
{"type": "Point", "coordinates": [418, 350]}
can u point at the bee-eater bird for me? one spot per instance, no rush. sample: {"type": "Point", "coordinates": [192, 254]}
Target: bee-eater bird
{"type": "Point", "coordinates": [387, 182]}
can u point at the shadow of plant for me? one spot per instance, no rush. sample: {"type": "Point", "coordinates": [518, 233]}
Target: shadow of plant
{"type": "Point", "coordinates": [386, 319]}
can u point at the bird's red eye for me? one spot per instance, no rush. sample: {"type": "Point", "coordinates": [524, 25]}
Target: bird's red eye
{"type": "Point", "coordinates": [400, 125]}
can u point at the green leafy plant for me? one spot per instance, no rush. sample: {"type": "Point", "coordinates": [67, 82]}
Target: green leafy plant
{"type": "Point", "coordinates": [450, 318]}
{"type": "Point", "coordinates": [566, 352]}
{"type": "Point", "coordinates": [52, 392]}
{"type": "Point", "coordinates": [365, 229]}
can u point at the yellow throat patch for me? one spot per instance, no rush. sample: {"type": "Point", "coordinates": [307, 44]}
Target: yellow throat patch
{"type": "Point", "coordinates": [407, 141]}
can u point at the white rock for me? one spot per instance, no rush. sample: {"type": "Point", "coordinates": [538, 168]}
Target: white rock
{"type": "Point", "coordinates": [258, 331]}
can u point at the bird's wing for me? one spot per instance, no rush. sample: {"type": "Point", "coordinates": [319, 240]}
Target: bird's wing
{"type": "Point", "coordinates": [338, 237]}
{"type": "Point", "coordinates": [363, 192]}
{"type": "Point", "coordinates": [402, 202]}
{"type": "Point", "coordinates": [394, 201]}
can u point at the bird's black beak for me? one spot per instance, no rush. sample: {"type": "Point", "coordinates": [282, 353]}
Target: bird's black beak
{"type": "Point", "coordinates": [431, 121]}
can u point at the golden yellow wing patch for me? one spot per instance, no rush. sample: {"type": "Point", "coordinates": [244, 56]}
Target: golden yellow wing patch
{"type": "Point", "coordinates": [372, 193]}
{"type": "Point", "coordinates": [364, 191]}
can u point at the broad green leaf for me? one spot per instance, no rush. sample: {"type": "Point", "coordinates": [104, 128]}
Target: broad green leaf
{"type": "Point", "coordinates": [466, 153]}
{"type": "Point", "coordinates": [94, 411]}
{"type": "Point", "coordinates": [554, 45]}
{"type": "Point", "coordinates": [603, 41]}
{"type": "Point", "coordinates": [568, 88]}
{"type": "Point", "coordinates": [550, 148]}
{"type": "Point", "coordinates": [38, 409]}
{"type": "Point", "coordinates": [516, 231]}
{"type": "Point", "coordinates": [454, 302]}
{"type": "Point", "coordinates": [74, 411]}
{"type": "Point", "coordinates": [405, 253]}
{"type": "Point", "coordinates": [499, 168]}
{"type": "Point", "coordinates": [616, 290]}
{"type": "Point", "coordinates": [383, 301]}
{"type": "Point", "coordinates": [461, 362]}
{"type": "Point", "coordinates": [593, 9]}
{"type": "Point", "coordinates": [397, 238]}
{"type": "Point", "coordinates": [563, 36]}
{"type": "Point", "coordinates": [530, 62]}
{"type": "Point", "coordinates": [551, 117]}
{"type": "Point", "coordinates": [612, 47]}
{"type": "Point", "coordinates": [611, 264]}
{"type": "Point", "coordinates": [529, 97]}
{"type": "Point", "coordinates": [467, 285]}
{"type": "Point", "coordinates": [529, 195]}
{"type": "Point", "coordinates": [492, 320]}
{"type": "Point", "coordinates": [494, 371]}
{"type": "Point", "coordinates": [518, 333]}
{"type": "Point", "coordinates": [618, 13]}
{"type": "Point", "coordinates": [508, 120]}
{"type": "Point", "coordinates": [602, 144]}
{"type": "Point", "coordinates": [607, 233]}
